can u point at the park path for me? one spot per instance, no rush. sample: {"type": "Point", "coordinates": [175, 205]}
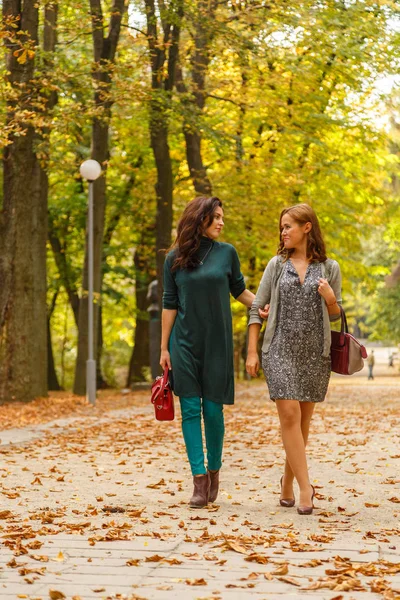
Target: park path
{"type": "Point", "coordinates": [95, 505]}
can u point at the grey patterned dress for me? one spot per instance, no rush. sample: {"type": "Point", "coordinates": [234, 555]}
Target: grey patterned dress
{"type": "Point", "coordinates": [294, 366]}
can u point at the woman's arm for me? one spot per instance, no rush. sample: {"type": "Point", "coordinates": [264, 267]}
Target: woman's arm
{"type": "Point", "coordinates": [246, 298]}
{"type": "Point", "coordinates": [253, 362]}
{"type": "Point", "coordinates": [325, 290]}
{"type": "Point", "coordinates": [332, 293]}
{"type": "Point", "coordinates": [263, 295]}
{"type": "Point", "coordinates": [168, 317]}
{"type": "Point", "coordinates": [170, 310]}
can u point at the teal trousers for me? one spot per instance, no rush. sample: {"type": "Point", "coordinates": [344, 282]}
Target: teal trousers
{"type": "Point", "coordinates": [192, 410]}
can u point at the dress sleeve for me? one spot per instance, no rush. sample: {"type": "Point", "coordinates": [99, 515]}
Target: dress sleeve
{"type": "Point", "coordinates": [263, 295]}
{"type": "Point", "coordinates": [236, 279]}
{"type": "Point", "coordinates": [336, 285]}
{"type": "Point", "coordinates": [170, 293]}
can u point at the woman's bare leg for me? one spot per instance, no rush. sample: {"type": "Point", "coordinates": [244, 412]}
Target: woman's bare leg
{"type": "Point", "coordinates": [307, 410]}
{"type": "Point", "coordinates": [295, 418]}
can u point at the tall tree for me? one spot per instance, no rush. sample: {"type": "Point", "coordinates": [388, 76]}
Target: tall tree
{"type": "Point", "coordinates": [193, 93]}
{"type": "Point", "coordinates": [105, 48]}
{"type": "Point", "coordinates": [144, 267]}
{"type": "Point", "coordinates": [163, 50]}
{"type": "Point", "coordinates": [48, 103]}
{"type": "Point", "coordinates": [23, 316]}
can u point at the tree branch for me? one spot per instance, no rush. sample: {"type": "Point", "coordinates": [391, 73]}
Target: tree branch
{"type": "Point", "coordinates": [117, 13]}
{"type": "Point", "coordinates": [97, 28]}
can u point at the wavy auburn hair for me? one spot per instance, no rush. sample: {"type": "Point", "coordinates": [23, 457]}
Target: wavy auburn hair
{"type": "Point", "coordinates": [302, 214]}
{"type": "Point", "coordinates": [197, 216]}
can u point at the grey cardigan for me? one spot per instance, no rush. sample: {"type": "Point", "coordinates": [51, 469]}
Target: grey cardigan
{"type": "Point", "coordinates": [268, 293]}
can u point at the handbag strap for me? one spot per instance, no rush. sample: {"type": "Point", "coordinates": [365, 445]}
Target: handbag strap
{"type": "Point", "coordinates": [160, 384]}
{"type": "Point", "coordinates": [165, 379]}
{"type": "Point", "coordinates": [343, 325]}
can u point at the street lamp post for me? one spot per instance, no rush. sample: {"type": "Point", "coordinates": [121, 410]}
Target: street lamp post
{"type": "Point", "coordinates": [90, 170]}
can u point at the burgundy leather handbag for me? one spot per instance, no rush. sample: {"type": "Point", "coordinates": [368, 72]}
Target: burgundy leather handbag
{"type": "Point", "coordinates": [347, 353]}
{"type": "Point", "coordinates": [162, 397]}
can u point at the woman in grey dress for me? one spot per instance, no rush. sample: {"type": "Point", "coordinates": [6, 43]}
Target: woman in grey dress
{"type": "Point", "coordinates": [303, 288]}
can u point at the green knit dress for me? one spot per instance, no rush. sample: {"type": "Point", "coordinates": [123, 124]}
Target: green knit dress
{"type": "Point", "coordinates": [200, 344]}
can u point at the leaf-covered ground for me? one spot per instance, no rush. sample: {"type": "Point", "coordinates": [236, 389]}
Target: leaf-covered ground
{"type": "Point", "coordinates": [96, 504]}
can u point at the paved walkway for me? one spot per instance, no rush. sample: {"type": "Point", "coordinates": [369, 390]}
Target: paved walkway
{"type": "Point", "coordinates": [96, 507]}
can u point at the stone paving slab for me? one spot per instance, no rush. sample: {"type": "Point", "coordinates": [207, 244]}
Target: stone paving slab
{"type": "Point", "coordinates": [59, 476]}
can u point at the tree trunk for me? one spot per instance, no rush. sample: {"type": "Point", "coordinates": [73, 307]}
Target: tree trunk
{"type": "Point", "coordinates": [101, 383]}
{"type": "Point", "coordinates": [163, 60]}
{"type": "Point", "coordinates": [49, 45]}
{"type": "Point", "coordinates": [198, 173]}
{"type": "Point", "coordinates": [52, 380]}
{"type": "Point", "coordinates": [164, 188]}
{"type": "Point", "coordinates": [194, 101]}
{"type": "Point", "coordinates": [140, 355]}
{"type": "Point", "coordinates": [23, 341]}
{"type": "Point", "coordinates": [104, 54]}
{"type": "Point", "coordinates": [60, 258]}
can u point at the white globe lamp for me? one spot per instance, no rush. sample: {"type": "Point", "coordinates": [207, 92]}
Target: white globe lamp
{"type": "Point", "coordinates": [90, 170]}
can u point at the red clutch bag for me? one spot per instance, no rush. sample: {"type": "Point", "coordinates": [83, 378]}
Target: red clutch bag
{"type": "Point", "coordinates": [347, 353]}
{"type": "Point", "coordinates": [162, 397]}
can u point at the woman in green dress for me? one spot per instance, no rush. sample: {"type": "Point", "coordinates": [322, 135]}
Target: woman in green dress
{"type": "Point", "coordinates": [196, 343]}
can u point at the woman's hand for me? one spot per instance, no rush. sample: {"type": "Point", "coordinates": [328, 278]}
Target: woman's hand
{"type": "Point", "coordinates": [252, 364]}
{"type": "Point", "coordinates": [264, 312]}
{"type": "Point", "coordinates": [165, 359]}
{"type": "Point", "coordinates": [325, 290]}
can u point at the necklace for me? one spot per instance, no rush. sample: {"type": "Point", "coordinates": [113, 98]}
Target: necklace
{"type": "Point", "coordinates": [205, 256]}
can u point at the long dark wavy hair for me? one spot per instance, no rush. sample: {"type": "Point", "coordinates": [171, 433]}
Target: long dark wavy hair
{"type": "Point", "coordinates": [197, 216]}
{"type": "Point", "coordinates": [302, 214]}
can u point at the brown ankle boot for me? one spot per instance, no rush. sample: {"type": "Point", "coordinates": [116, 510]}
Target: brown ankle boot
{"type": "Point", "coordinates": [214, 486]}
{"type": "Point", "coordinates": [200, 492]}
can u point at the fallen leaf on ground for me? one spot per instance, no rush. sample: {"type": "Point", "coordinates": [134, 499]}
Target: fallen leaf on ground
{"type": "Point", "coordinates": [155, 486]}
{"type": "Point", "coordinates": [56, 595]}
{"type": "Point", "coordinates": [282, 570]}
{"type": "Point", "coordinates": [201, 581]}
{"type": "Point", "coordinates": [289, 580]}
{"type": "Point", "coordinates": [154, 558]}
{"type": "Point", "coordinates": [261, 559]}
{"type": "Point", "coordinates": [236, 547]}
{"type": "Point", "coordinates": [172, 561]}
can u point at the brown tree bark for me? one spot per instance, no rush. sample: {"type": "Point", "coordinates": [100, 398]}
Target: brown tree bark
{"type": "Point", "coordinates": [144, 267]}
{"type": "Point", "coordinates": [163, 60]}
{"type": "Point", "coordinates": [52, 379]}
{"type": "Point", "coordinates": [105, 48]}
{"type": "Point", "coordinates": [140, 355]}
{"type": "Point", "coordinates": [23, 340]}
{"type": "Point", "coordinates": [50, 100]}
{"type": "Point", "coordinates": [194, 93]}
{"type": "Point", "coordinates": [60, 257]}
